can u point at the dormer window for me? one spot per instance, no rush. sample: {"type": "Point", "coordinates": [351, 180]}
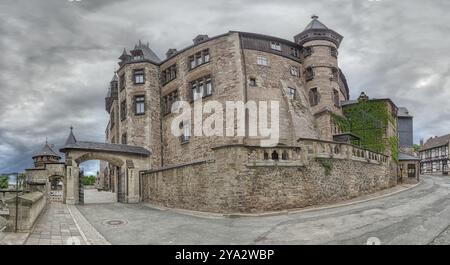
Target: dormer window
{"type": "Point", "coordinates": [275, 46]}
{"type": "Point", "coordinates": [294, 52]}
{"type": "Point", "coordinates": [138, 57]}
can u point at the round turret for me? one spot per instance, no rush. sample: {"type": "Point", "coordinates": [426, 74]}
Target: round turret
{"type": "Point", "coordinates": [46, 155]}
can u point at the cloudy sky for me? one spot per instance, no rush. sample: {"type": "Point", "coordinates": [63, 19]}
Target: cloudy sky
{"type": "Point", "coordinates": [58, 56]}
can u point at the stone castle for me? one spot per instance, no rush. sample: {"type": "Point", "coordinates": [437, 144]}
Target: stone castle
{"type": "Point", "coordinates": [312, 163]}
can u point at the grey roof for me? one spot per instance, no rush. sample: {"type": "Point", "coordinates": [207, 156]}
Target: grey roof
{"type": "Point", "coordinates": [72, 143]}
{"type": "Point", "coordinates": [403, 112]}
{"type": "Point", "coordinates": [115, 78]}
{"type": "Point", "coordinates": [147, 52]}
{"type": "Point", "coordinates": [315, 24]}
{"type": "Point", "coordinates": [436, 142]}
{"type": "Point", "coordinates": [403, 157]}
{"type": "Point", "coordinates": [46, 151]}
{"type": "Point", "coordinates": [71, 139]}
{"type": "Point", "coordinates": [107, 147]}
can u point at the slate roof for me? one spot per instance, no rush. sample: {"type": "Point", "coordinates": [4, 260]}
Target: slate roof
{"type": "Point", "coordinates": [147, 52]}
{"type": "Point", "coordinates": [436, 142]}
{"type": "Point", "coordinates": [115, 78]}
{"type": "Point", "coordinates": [403, 112]}
{"type": "Point", "coordinates": [116, 148]}
{"type": "Point", "coordinates": [315, 24]}
{"type": "Point", "coordinates": [46, 151]}
{"type": "Point", "coordinates": [72, 143]}
{"type": "Point", "coordinates": [405, 157]}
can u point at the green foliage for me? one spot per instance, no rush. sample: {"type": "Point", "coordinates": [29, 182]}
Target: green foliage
{"type": "Point", "coordinates": [326, 164]}
{"type": "Point", "coordinates": [4, 182]}
{"type": "Point", "coordinates": [416, 147]}
{"type": "Point", "coordinates": [368, 120]}
{"type": "Point", "coordinates": [393, 142]}
{"type": "Point", "coordinates": [89, 180]}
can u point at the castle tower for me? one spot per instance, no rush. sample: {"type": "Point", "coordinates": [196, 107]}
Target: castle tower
{"type": "Point", "coordinates": [46, 155]}
{"type": "Point", "coordinates": [324, 83]}
{"type": "Point", "coordinates": [138, 110]}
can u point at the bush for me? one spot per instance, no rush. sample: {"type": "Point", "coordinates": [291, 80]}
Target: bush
{"type": "Point", "coordinates": [4, 182]}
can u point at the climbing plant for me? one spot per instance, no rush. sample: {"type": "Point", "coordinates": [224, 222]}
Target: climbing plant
{"type": "Point", "coordinates": [369, 121]}
{"type": "Point", "coordinates": [326, 164]}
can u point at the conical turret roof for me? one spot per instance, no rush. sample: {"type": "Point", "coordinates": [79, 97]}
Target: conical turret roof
{"type": "Point", "coordinates": [46, 151]}
{"type": "Point", "coordinates": [315, 24]}
{"type": "Point", "coordinates": [71, 139]}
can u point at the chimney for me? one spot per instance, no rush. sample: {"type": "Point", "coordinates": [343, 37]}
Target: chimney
{"type": "Point", "coordinates": [200, 38]}
{"type": "Point", "coordinates": [171, 52]}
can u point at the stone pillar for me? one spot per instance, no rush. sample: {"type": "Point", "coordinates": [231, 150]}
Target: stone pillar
{"type": "Point", "coordinates": [133, 186]}
{"type": "Point", "coordinates": [72, 184]}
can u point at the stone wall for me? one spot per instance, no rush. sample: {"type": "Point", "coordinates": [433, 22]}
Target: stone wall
{"type": "Point", "coordinates": [241, 179]}
{"type": "Point", "coordinates": [29, 208]}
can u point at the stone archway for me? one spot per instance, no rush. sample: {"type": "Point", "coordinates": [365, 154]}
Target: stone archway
{"type": "Point", "coordinates": [127, 159]}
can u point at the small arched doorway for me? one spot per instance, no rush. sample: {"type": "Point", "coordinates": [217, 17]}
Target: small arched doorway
{"type": "Point", "coordinates": [56, 188]}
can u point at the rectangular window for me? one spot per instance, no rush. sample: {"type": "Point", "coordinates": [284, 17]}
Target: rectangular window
{"type": "Point", "coordinates": [123, 110]}
{"type": "Point", "coordinates": [294, 52]}
{"type": "Point", "coordinates": [122, 81]}
{"type": "Point", "coordinates": [198, 59]}
{"type": "Point", "coordinates": [139, 105]}
{"type": "Point", "coordinates": [201, 87]}
{"type": "Point", "coordinates": [294, 71]}
{"type": "Point", "coordinates": [292, 92]}
{"type": "Point", "coordinates": [252, 81]}
{"type": "Point", "coordinates": [313, 97]}
{"type": "Point", "coordinates": [309, 73]}
{"type": "Point", "coordinates": [169, 74]}
{"type": "Point", "coordinates": [261, 61]}
{"type": "Point", "coordinates": [333, 52]}
{"type": "Point", "coordinates": [138, 76]}
{"type": "Point", "coordinates": [168, 101]}
{"type": "Point", "coordinates": [334, 74]}
{"type": "Point", "coordinates": [307, 51]}
{"type": "Point", "coordinates": [275, 46]}
{"type": "Point", "coordinates": [336, 98]}
{"type": "Point", "coordinates": [186, 132]}
{"type": "Point", "coordinates": [124, 138]}
{"type": "Point", "coordinates": [208, 84]}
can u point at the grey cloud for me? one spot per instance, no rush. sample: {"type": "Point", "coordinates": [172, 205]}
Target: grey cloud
{"type": "Point", "coordinates": [57, 57]}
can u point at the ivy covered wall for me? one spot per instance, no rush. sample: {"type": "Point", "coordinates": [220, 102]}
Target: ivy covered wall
{"type": "Point", "coordinates": [370, 120]}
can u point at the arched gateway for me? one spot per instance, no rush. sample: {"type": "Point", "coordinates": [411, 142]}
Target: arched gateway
{"type": "Point", "coordinates": [126, 162]}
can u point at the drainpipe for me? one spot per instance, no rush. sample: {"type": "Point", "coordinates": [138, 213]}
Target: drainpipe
{"type": "Point", "coordinates": [244, 68]}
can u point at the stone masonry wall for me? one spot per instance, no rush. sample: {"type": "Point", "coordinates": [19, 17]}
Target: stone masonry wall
{"type": "Point", "coordinates": [230, 184]}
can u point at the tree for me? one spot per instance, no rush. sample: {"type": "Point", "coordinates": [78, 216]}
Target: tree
{"type": "Point", "coordinates": [89, 180]}
{"type": "Point", "coordinates": [4, 183]}
{"type": "Point", "coordinates": [416, 147]}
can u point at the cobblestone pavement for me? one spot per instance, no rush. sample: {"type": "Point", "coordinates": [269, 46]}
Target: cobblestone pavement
{"type": "Point", "coordinates": [420, 215]}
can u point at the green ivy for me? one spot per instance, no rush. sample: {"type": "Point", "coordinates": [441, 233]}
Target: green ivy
{"type": "Point", "coordinates": [368, 120]}
{"type": "Point", "coordinates": [326, 164]}
{"type": "Point", "coordinates": [393, 142]}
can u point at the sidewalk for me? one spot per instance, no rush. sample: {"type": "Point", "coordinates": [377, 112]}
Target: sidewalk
{"type": "Point", "coordinates": [62, 224]}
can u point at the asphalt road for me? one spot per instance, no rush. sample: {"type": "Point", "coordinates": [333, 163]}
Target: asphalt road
{"type": "Point", "coordinates": [420, 215]}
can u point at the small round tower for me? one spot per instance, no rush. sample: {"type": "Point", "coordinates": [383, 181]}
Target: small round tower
{"type": "Point", "coordinates": [46, 155]}
{"type": "Point", "coordinates": [324, 83]}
